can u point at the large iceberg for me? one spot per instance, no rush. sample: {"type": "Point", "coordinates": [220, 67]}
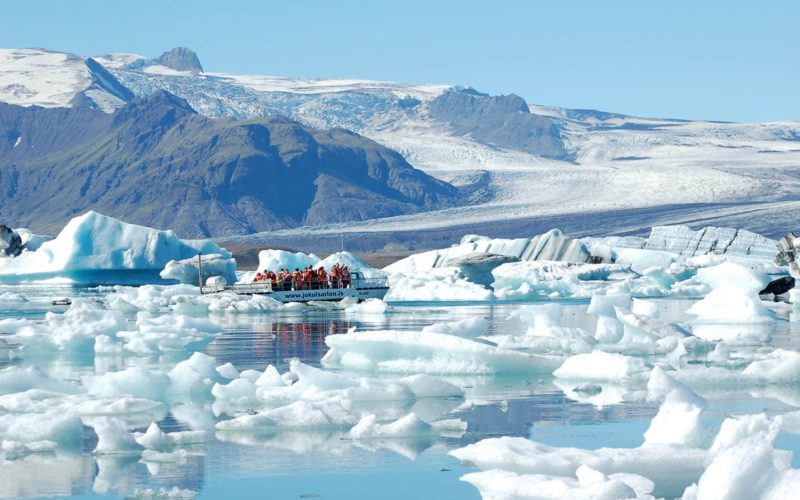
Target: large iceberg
{"type": "Point", "coordinates": [552, 245]}
{"type": "Point", "coordinates": [684, 242]}
{"type": "Point", "coordinates": [94, 249]}
{"type": "Point", "coordinates": [687, 242]}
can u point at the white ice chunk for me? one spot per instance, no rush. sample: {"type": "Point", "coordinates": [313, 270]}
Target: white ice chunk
{"type": "Point", "coordinates": [213, 266]}
{"type": "Point", "coordinates": [733, 275]}
{"type": "Point", "coordinates": [156, 439]}
{"type": "Point", "coordinates": [426, 352]}
{"type": "Point", "coordinates": [729, 304]}
{"type": "Point", "coordinates": [603, 366]}
{"type": "Point", "coordinates": [441, 284]}
{"type": "Point", "coordinates": [270, 378]}
{"type": "Point", "coordinates": [744, 464]}
{"type": "Point", "coordinates": [670, 467]}
{"type": "Point", "coordinates": [609, 330]}
{"type": "Point", "coordinates": [640, 260]}
{"type": "Point", "coordinates": [228, 371]}
{"type": "Point", "coordinates": [300, 414]}
{"type": "Point", "coordinates": [15, 379]}
{"type": "Point", "coordinates": [678, 421]}
{"type": "Point", "coordinates": [467, 327]}
{"type": "Point", "coordinates": [353, 263]}
{"type": "Point", "coordinates": [113, 437]}
{"type": "Point", "coordinates": [63, 428]}
{"type": "Point", "coordinates": [505, 485]}
{"type": "Point", "coordinates": [409, 426]}
{"type": "Point", "coordinates": [193, 377]}
{"type": "Point", "coordinates": [135, 381]}
{"type": "Point", "coordinates": [645, 308]}
{"type": "Point", "coordinates": [605, 305]}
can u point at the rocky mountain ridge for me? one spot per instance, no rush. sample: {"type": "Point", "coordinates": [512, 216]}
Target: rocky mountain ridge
{"type": "Point", "coordinates": [157, 162]}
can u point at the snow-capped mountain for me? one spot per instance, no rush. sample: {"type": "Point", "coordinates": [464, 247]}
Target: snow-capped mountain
{"type": "Point", "coordinates": [54, 79]}
{"type": "Point", "coordinates": [155, 161]}
{"type": "Point", "coordinates": [585, 171]}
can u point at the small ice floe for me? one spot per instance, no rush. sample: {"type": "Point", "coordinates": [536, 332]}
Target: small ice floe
{"type": "Point", "coordinates": [20, 433]}
{"type": "Point", "coordinates": [409, 426]}
{"type": "Point", "coordinates": [467, 327]}
{"type": "Point", "coordinates": [160, 446]}
{"type": "Point", "coordinates": [603, 366]}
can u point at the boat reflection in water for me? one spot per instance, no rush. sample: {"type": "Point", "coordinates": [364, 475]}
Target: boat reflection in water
{"type": "Point", "coordinates": [253, 342]}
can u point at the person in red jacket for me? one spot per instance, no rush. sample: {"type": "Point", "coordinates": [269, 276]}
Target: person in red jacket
{"type": "Point", "coordinates": [297, 279]}
{"type": "Point", "coordinates": [335, 276]}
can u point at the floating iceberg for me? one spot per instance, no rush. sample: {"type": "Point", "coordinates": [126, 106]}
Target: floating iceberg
{"type": "Point", "coordinates": [603, 366]}
{"type": "Point", "coordinates": [587, 484]}
{"type": "Point", "coordinates": [409, 426]}
{"type": "Point", "coordinates": [687, 242]}
{"type": "Point", "coordinates": [94, 249]}
{"type": "Point", "coordinates": [732, 304]}
{"type": "Point", "coordinates": [441, 284]}
{"type": "Point", "coordinates": [531, 279]}
{"type": "Point", "coordinates": [743, 463]}
{"type": "Point", "coordinates": [428, 352]}
{"type": "Point", "coordinates": [187, 271]}
{"type": "Point", "coordinates": [550, 246]}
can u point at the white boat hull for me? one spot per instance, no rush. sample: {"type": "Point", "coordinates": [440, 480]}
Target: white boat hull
{"type": "Point", "coordinates": [360, 289]}
{"type": "Point", "coordinates": [328, 294]}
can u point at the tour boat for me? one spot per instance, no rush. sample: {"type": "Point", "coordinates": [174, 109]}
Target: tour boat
{"type": "Point", "coordinates": [359, 288]}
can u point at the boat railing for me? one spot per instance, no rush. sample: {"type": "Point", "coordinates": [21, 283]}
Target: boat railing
{"type": "Point", "coordinates": [357, 281]}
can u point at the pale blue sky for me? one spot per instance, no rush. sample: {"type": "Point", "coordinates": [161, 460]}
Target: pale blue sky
{"type": "Point", "coordinates": [723, 60]}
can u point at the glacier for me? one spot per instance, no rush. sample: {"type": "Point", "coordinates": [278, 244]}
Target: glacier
{"type": "Point", "coordinates": [653, 170]}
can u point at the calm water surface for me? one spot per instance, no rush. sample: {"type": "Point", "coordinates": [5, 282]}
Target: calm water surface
{"type": "Point", "coordinates": [326, 464]}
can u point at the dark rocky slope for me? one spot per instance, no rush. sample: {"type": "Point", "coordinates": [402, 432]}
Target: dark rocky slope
{"type": "Point", "coordinates": [157, 162]}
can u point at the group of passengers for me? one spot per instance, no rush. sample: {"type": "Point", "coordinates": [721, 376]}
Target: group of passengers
{"type": "Point", "coordinates": [307, 279]}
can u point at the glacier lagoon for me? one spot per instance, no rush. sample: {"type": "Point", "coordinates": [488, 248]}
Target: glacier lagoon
{"type": "Point", "coordinates": [318, 460]}
{"type": "Point", "coordinates": [543, 367]}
